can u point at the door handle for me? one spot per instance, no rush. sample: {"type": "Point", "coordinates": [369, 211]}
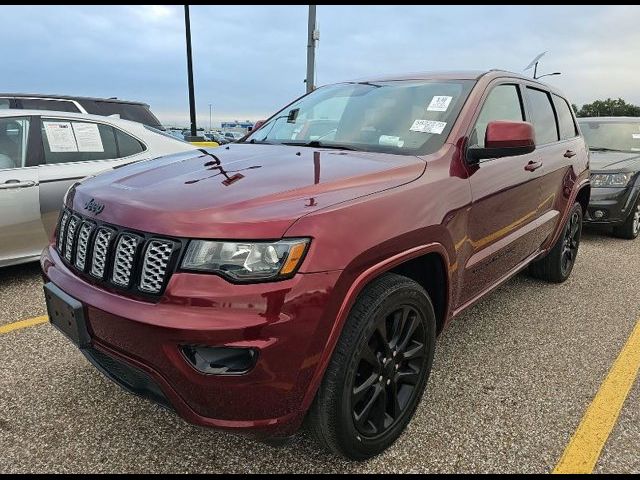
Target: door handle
{"type": "Point", "coordinates": [569, 154]}
{"type": "Point", "coordinates": [13, 183]}
{"type": "Point", "coordinates": [532, 166]}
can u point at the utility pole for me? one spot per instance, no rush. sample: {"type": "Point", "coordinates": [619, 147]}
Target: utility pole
{"type": "Point", "coordinates": [192, 98]}
{"type": "Point", "coordinates": [312, 37]}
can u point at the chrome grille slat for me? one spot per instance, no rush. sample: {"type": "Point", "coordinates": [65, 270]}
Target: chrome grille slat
{"type": "Point", "coordinates": [70, 237]}
{"type": "Point", "coordinates": [62, 229]}
{"type": "Point", "coordinates": [100, 251]}
{"type": "Point", "coordinates": [83, 244]}
{"type": "Point", "coordinates": [124, 260]}
{"type": "Point", "coordinates": [154, 269]}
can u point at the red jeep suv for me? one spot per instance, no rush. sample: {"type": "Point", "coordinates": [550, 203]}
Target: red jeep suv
{"type": "Point", "coordinates": [305, 272]}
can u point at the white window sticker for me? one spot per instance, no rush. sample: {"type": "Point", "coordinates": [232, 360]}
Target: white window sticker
{"type": "Point", "coordinates": [428, 126]}
{"type": "Point", "coordinates": [439, 104]}
{"type": "Point", "coordinates": [636, 136]}
{"type": "Point", "coordinates": [390, 141]}
{"type": "Point", "coordinates": [88, 137]}
{"type": "Point", "coordinates": [60, 137]}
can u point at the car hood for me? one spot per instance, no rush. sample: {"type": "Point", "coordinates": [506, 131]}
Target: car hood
{"type": "Point", "coordinates": [615, 161]}
{"type": "Point", "coordinates": [241, 191]}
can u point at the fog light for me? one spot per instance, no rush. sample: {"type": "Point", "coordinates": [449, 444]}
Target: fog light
{"type": "Point", "coordinates": [220, 360]}
{"type": "Point", "coordinates": [598, 214]}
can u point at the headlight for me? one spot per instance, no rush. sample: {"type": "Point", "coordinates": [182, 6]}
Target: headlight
{"type": "Point", "coordinates": [610, 180]}
{"type": "Point", "coordinates": [246, 261]}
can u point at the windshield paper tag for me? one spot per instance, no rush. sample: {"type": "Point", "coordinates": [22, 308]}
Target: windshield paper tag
{"type": "Point", "coordinates": [428, 126]}
{"type": "Point", "coordinates": [390, 141]}
{"type": "Point", "coordinates": [439, 104]}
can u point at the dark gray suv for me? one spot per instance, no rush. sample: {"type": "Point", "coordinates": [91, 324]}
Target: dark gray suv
{"type": "Point", "coordinates": [614, 143]}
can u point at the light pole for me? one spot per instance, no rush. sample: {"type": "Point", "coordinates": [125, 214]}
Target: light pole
{"type": "Point", "coordinates": [210, 117]}
{"type": "Point", "coordinates": [313, 35]}
{"type": "Point", "coordinates": [547, 75]}
{"type": "Point", "coordinates": [192, 98]}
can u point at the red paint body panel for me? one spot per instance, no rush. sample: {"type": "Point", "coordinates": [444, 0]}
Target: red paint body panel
{"type": "Point", "coordinates": [365, 213]}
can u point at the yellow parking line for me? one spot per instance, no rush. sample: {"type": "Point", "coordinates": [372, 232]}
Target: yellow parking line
{"type": "Point", "coordinates": [31, 322]}
{"type": "Point", "coordinates": [587, 442]}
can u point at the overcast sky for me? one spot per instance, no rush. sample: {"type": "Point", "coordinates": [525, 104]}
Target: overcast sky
{"type": "Point", "coordinates": [249, 60]}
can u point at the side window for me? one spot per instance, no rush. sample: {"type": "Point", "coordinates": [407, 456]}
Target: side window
{"type": "Point", "coordinates": [503, 103]}
{"type": "Point", "coordinates": [127, 145]}
{"type": "Point", "coordinates": [14, 134]}
{"type": "Point", "coordinates": [565, 118]}
{"type": "Point", "coordinates": [5, 103]}
{"type": "Point", "coordinates": [72, 141]}
{"type": "Point", "coordinates": [44, 104]}
{"type": "Point", "coordinates": [542, 117]}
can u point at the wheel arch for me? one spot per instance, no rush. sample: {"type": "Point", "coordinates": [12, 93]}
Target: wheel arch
{"type": "Point", "coordinates": [409, 262]}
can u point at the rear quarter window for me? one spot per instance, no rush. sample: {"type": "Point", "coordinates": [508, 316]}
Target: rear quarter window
{"type": "Point", "coordinates": [565, 118]}
{"type": "Point", "coordinates": [127, 111]}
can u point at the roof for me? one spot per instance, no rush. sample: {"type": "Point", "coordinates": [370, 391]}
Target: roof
{"type": "Point", "coordinates": [610, 119]}
{"type": "Point", "coordinates": [10, 112]}
{"type": "Point", "coordinates": [446, 75]}
{"type": "Point", "coordinates": [68, 97]}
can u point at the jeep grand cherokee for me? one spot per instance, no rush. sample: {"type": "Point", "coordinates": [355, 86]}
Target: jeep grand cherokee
{"type": "Point", "coordinates": [305, 272]}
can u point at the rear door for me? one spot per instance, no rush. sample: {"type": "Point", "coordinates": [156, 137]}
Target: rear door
{"type": "Point", "coordinates": [545, 113]}
{"type": "Point", "coordinates": [74, 148]}
{"type": "Point", "coordinates": [504, 215]}
{"type": "Point", "coordinates": [22, 236]}
{"type": "Point", "coordinates": [558, 177]}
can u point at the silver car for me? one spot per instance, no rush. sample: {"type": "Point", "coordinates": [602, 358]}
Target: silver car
{"type": "Point", "coordinates": [42, 153]}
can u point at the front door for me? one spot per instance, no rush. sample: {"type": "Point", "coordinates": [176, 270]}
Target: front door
{"type": "Point", "coordinates": [504, 216]}
{"type": "Point", "coordinates": [22, 236]}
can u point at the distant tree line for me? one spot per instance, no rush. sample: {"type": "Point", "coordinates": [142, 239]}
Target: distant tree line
{"type": "Point", "coordinates": [607, 108]}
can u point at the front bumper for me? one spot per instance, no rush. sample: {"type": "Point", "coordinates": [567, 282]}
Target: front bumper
{"type": "Point", "coordinates": [286, 322]}
{"type": "Point", "coordinates": [615, 204]}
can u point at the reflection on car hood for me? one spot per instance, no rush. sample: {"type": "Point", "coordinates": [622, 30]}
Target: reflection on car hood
{"type": "Point", "coordinates": [615, 161]}
{"type": "Point", "coordinates": [243, 191]}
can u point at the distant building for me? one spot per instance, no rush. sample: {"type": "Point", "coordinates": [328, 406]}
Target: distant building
{"type": "Point", "coordinates": [237, 126]}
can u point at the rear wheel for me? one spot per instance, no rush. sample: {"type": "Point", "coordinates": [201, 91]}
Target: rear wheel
{"type": "Point", "coordinates": [378, 370]}
{"type": "Point", "coordinates": [631, 227]}
{"type": "Point", "coordinates": [558, 264]}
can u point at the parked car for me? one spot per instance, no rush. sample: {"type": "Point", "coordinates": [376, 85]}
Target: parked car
{"type": "Point", "coordinates": [233, 136]}
{"type": "Point", "coordinates": [614, 143]}
{"type": "Point", "coordinates": [282, 278]}
{"type": "Point", "coordinates": [216, 137]}
{"type": "Point", "coordinates": [42, 153]}
{"type": "Point", "coordinates": [127, 110]}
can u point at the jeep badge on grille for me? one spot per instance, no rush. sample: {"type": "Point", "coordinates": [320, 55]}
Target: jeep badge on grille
{"type": "Point", "coordinates": [94, 206]}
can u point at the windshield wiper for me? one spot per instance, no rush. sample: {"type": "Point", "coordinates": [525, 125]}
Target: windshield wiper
{"type": "Point", "coordinates": [261, 142]}
{"type": "Point", "coordinates": [317, 144]}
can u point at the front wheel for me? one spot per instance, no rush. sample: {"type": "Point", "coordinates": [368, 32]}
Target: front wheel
{"type": "Point", "coordinates": [378, 370]}
{"type": "Point", "coordinates": [631, 227]}
{"type": "Point", "coordinates": [558, 264]}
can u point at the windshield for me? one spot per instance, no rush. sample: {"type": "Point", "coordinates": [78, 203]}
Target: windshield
{"type": "Point", "coordinates": [621, 136]}
{"type": "Point", "coordinates": [404, 117]}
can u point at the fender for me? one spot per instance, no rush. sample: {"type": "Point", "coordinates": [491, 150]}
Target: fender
{"type": "Point", "coordinates": [354, 290]}
{"type": "Point", "coordinates": [572, 199]}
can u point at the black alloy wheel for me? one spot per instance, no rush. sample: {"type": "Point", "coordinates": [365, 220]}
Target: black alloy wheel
{"type": "Point", "coordinates": [388, 371]}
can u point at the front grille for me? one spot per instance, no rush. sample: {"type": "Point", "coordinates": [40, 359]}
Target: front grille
{"type": "Point", "coordinates": [128, 260]}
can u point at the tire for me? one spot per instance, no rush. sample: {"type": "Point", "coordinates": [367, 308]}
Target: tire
{"type": "Point", "coordinates": [361, 359]}
{"type": "Point", "coordinates": [557, 265]}
{"type": "Point", "coordinates": [631, 227]}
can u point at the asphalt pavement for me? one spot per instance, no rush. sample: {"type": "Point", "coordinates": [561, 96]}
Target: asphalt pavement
{"type": "Point", "coordinates": [512, 379]}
